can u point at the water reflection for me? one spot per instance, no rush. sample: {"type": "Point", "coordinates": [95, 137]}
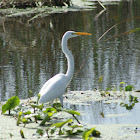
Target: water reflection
{"type": "Point", "coordinates": [30, 53]}
{"type": "Point", "coordinates": [113, 113]}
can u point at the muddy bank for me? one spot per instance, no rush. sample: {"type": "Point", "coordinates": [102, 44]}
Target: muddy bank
{"type": "Point", "coordinates": [108, 131]}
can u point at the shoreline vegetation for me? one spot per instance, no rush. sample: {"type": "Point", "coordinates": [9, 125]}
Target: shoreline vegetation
{"type": "Point", "coordinates": [39, 8]}
{"type": "Point", "coordinates": [32, 3]}
{"type": "Point", "coordinates": [34, 130]}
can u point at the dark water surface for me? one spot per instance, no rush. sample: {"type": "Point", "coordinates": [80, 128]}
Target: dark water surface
{"type": "Point", "coordinates": [30, 53]}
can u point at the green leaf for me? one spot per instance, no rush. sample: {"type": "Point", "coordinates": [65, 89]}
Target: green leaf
{"type": "Point", "coordinates": [19, 116]}
{"type": "Point", "coordinates": [131, 98]}
{"type": "Point", "coordinates": [27, 112]}
{"type": "Point", "coordinates": [122, 83]}
{"type": "Point", "coordinates": [36, 106]}
{"type": "Point", "coordinates": [60, 124]}
{"type": "Point", "coordinates": [47, 118]}
{"type": "Point", "coordinates": [40, 132]}
{"type": "Point", "coordinates": [50, 110]}
{"type": "Point", "coordinates": [130, 107]}
{"type": "Point", "coordinates": [24, 120]}
{"type": "Point", "coordinates": [135, 100]}
{"type": "Point", "coordinates": [101, 79]}
{"type": "Point", "coordinates": [48, 114]}
{"type": "Point", "coordinates": [38, 97]}
{"type": "Point", "coordinates": [21, 133]}
{"type": "Point", "coordinates": [96, 133]}
{"type": "Point", "coordinates": [53, 130]}
{"type": "Point", "coordinates": [129, 88]}
{"type": "Point", "coordinates": [69, 132]}
{"type": "Point", "coordinates": [57, 106]}
{"type": "Point", "coordinates": [87, 133]}
{"type": "Point", "coordinates": [73, 112]}
{"type": "Point", "coordinates": [38, 117]}
{"type": "Point", "coordinates": [102, 114]}
{"type": "Point", "coordinates": [30, 92]}
{"type": "Point", "coordinates": [10, 104]}
{"type": "Point", "coordinates": [76, 126]}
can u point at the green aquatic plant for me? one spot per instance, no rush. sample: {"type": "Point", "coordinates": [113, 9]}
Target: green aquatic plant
{"type": "Point", "coordinates": [131, 104]}
{"type": "Point", "coordinates": [57, 106]}
{"type": "Point", "coordinates": [10, 104]}
{"type": "Point", "coordinates": [122, 87]}
{"type": "Point", "coordinates": [30, 92]}
{"type": "Point", "coordinates": [22, 134]}
{"type": "Point", "coordinates": [129, 88]}
{"type": "Point", "coordinates": [36, 106]}
{"type": "Point", "coordinates": [31, 112]}
{"type": "Point", "coordinates": [102, 114]}
{"type": "Point", "coordinates": [40, 132]}
{"type": "Point", "coordinates": [19, 117]}
{"type": "Point", "coordinates": [107, 91]}
{"type": "Point", "coordinates": [38, 97]}
{"type": "Point", "coordinates": [68, 131]}
{"type": "Point", "coordinates": [133, 99]}
{"type": "Point", "coordinates": [89, 134]}
{"type": "Point", "coordinates": [127, 106]}
{"type": "Point", "coordinates": [100, 82]}
{"type": "Point", "coordinates": [111, 88]}
{"type": "Point", "coordinates": [71, 132]}
{"type": "Point", "coordinates": [73, 113]}
{"type": "Point", "coordinates": [60, 125]}
{"type": "Point", "coordinates": [48, 114]}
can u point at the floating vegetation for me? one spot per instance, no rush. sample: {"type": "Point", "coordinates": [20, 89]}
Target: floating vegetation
{"type": "Point", "coordinates": [129, 88]}
{"type": "Point", "coordinates": [131, 104]}
{"type": "Point", "coordinates": [90, 134]}
{"type": "Point", "coordinates": [111, 93]}
{"type": "Point", "coordinates": [51, 118]}
{"type": "Point", "coordinates": [59, 121]}
{"type": "Point", "coordinates": [122, 88]}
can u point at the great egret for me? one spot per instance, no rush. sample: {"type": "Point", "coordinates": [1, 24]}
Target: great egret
{"type": "Point", "coordinates": [55, 86]}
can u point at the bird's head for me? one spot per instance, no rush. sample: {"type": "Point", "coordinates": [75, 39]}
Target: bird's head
{"type": "Point", "coordinates": [71, 34]}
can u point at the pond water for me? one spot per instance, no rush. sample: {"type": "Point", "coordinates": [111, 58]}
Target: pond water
{"type": "Point", "coordinates": [102, 113]}
{"type": "Point", "coordinates": [30, 53]}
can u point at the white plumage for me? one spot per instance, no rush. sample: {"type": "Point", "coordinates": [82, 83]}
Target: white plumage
{"type": "Point", "coordinates": [55, 87]}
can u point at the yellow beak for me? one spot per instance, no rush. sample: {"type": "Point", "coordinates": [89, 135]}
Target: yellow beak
{"type": "Point", "coordinates": [82, 33]}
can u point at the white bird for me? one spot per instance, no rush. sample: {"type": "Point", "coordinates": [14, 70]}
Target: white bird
{"type": "Point", "coordinates": [55, 86]}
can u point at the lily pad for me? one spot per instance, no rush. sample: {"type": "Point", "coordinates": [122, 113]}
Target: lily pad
{"type": "Point", "coordinates": [10, 104]}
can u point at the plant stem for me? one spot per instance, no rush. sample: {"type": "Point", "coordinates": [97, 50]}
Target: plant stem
{"type": "Point", "coordinates": [76, 119]}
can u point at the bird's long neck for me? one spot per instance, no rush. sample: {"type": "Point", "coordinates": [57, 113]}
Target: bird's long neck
{"type": "Point", "coordinates": [69, 56]}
